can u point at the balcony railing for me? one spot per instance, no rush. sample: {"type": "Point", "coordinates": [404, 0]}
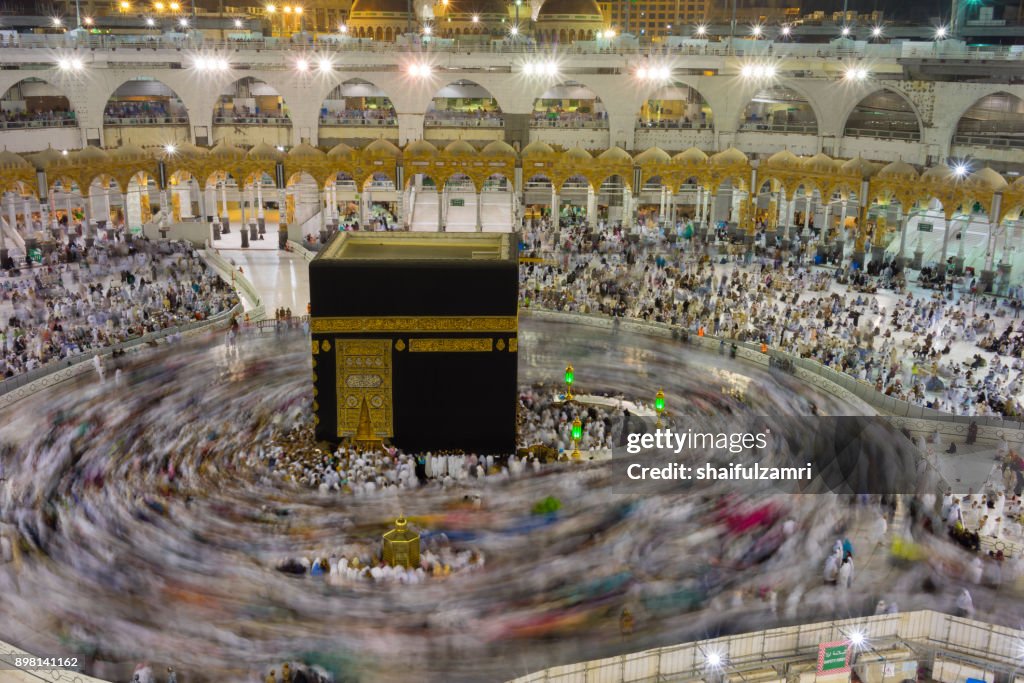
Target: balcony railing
{"type": "Point", "coordinates": [886, 133]}
{"type": "Point", "coordinates": [673, 125]}
{"type": "Point", "coordinates": [767, 127]}
{"type": "Point", "coordinates": [253, 120]}
{"type": "Point", "coordinates": [357, 119]}
{"type": "Point", "coordinates": [145, 120]}
{"type": "Point", "coordinates": [463, 121]}
{"type": "Point", "coordinates": [989, 141]}
{"type": "Point", "coordinates": [39, 123]}
{"type": "Point", "coordinates": [791, 50]}
{"type": "Point", "coordinates": [568, 122]}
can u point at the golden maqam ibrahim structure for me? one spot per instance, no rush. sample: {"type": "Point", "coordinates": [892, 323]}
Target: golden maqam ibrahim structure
{"type": "Point", "coordinates": [401, 546]}
{"type": "Point", "coordinates": [771, 190]}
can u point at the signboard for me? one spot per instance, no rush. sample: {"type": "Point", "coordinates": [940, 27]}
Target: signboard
{"type": "Point", "coordinates": [457, 202]}
{"type": "Point", "coordinates": [834, 657]}
{"type": "Point", "coordinates": [924, 227]}
{"type": "Point", "coordinates": [35, 255]}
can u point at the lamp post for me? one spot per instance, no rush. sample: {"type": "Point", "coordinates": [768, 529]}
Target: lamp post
{"type": "Point", "coordinates": [659, 406]}
{"type": "Point", "coordinates": [570, 377]}
{"type": "Point", "coordinates": [576, 435]}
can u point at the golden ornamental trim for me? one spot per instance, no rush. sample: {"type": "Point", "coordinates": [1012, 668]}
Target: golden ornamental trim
{"type": "Point", "coordinates": [400, 345]}
{"type": "Point", "coordinates": [513, 344]}
{"type": "Point", "coordinates": [415, 324]}
{"type": "Point", "coordinates": [471, 344]}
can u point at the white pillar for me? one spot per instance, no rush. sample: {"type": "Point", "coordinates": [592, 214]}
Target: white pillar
{"type": "Point", "coordinates": [591, 207]}
{"type": "Point", "coordinates": [226, 220]}
{"type": "Point", "coordinates": [259, 199]}
{"type": "Point", "coordinates": [440, 209]}
{"type": "Point", "coordinates": [479, 202]}
{"type": "Point", "coordinates": [28, 214]}
{"type": "Point", "coordinates": [904, 222]}
{"type": "Point", "coordinates": [554, 207]}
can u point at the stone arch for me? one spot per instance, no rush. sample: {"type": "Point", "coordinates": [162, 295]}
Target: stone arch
{"type": "Point", "coordinates": [997, 117]}
{"type": "Point", "coordinates": [695, 110]}
{"type": "Point", "coordinates": [357, 101]}
{"type": "Point", "coordinates": [243, 102]}
{"type": "Point", "coordinates": [767, 109]}
{"type": "Point", "coordinates": [37, 99]}
{"type": "Point", "coordinates": [440, 107]}
{"type": "Point", "coordinates": [568, 103]}
{"type": "Point", "coordinates": [145, 99]}
{"type": "Point", "coordinates": [883, 111]}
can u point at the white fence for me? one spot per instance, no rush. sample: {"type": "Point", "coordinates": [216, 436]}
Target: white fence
{"type": "Point", "coordinates": [964, 648]}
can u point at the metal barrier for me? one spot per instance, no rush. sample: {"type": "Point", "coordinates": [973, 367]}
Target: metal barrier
{"type": "Point", "coordinates": [928, 633]}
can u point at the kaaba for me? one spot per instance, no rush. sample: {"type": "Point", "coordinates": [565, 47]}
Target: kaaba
{"type": "Point", "coordinates": [415, 340]}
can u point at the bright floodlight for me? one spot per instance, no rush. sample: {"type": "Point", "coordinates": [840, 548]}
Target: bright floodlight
{"type": "Point", "coordinates": [513, 31]}
{"type": "Point", "coordinates": [175, 7]}
{"type": "Point", "coordinates": [238, 23]}
{"type": "Point", "coordinates": [876, 32]}
{"type": "Point", "coordinates": [755, 31]}
{"type": "Point", "coordinates": [183, 23]}
{"type": "Point", "coordinates": [201, 63]}
{"type": "Point", "coordinates": [222, 64]}
{"type": "Point", "coordinates": [550, 68]}
{"type": "Point", "coordinates": [702, 30]}
{"type": "Point", "coordinates": [857, 638]}
{"type": "Point", "coordinates": [280, 148]}
{"type": "Point", "coordinates": [169, 149]}
{"type": "Point", "coordinates": [960, 170]}
{"type": "Point", "coordinates": [76, 64]}
{"type": "Point", "coordinates": [57, 21]}
{"type": "Point", "coordinates": [664, 73]}
{"type": "Point", "coordinates": [747, 71]}
{"type": "Point", "coordinates": [786, 30]}
{"type": "Point", "coordinates": [343, 28]}
{"type": "Point", "coordinates": [713, 660]}
{"type": "Point", "coordinates": [87, 21]}
{"type": "Point", "coordinates": [940, 32]}
{"type": "Point", "coordinates": [64, 64]}
{"type": "Point", "coordinates": [641, 72]}
{"type": "Point", "coordinates": [476, 19]}
{"type": "Point", "coordinates": [325, 64]}
{"type": "Point", "coordinates": [856, 73]}
{"type": "Point", "coordinates": [302, 65]}
{"type": "Point", "coordinates": [64, 152]}
{"type": "Point", "coordinates": [150, 21]}
{"type": "Point", "coordinates": [610, 33]}
{"type": "Point", "coordinates": [528, 68]}
{"type": "Point", "coordinates": [846, 31]}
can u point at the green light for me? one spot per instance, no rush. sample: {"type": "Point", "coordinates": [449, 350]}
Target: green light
{"type": "Point", "coordinates": [577, 430]}
{"type": "Point", "coordinates": [570, 375]}
{"type": "Point", "coordinates": [659, 402]}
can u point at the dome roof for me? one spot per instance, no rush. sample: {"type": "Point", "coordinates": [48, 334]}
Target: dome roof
{"type": "Point", "coordinates": [653, 155]}
{"type": "Point", "coordinates": [729, 156]}
{"type": "Point", "coordinates": [1019, 182]}
{"type": "Point", "coordinates": [859, 166]}
{"type": "Point", "coordinates": [378, 6]}
{"type": "Point", "coordinates": [498, 148]}
{"type": "Point", "coordinates": [578, 152]}
{"type": "Point", "coordinates": [940, 172]}
{"type": "Point", "coordinates": [91, 153]}
{"type": "Point", "coordinates": [382, 147]}
{"type": "Point", "coordinates": [190, 150]}
{"type": "Point", "coordinates": [898, 169]}
{"type": "Point", "coordinates": [128, 151]}
{"type": "Point", "coordinates": [48, 157]}
{"type": "Point", "coordinates": [561, 7]}
{"type": "Point", "coordinates": [304, 150]}
{"type": "Point", "coordinates": [340, 150]}
{"type": "Point", "coordinates": [989, 179]}
{"type": "Point", "coordinates": [420, 148]}
{"type": "Point", "coordinates": [615, 154]}
{"type": "Point", "coordinates": [225, 150]}
{"type": "Point", "coordinates": [460, 148]}
{"type": "Point", "coordinates": [537, 148]}
{"type": "Point", "coordinates": [11, 160]}
{"type": "Point", "coordinates": [782, 159]}
{"type": "Point", "coordinates": [264, 151]}
{"type": "Point", "coordinates": [819, 163]}
{"type": "Point", "coordinates": [690, 156]}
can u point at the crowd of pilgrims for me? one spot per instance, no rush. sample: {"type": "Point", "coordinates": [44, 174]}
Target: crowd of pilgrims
{"type": "Point", "coordinates": [898, 340]}
{"type": "Point", "coordinates": [83, 300]}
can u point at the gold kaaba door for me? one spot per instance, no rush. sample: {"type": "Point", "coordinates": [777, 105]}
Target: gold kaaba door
{"type": "Point", "coordinates": [364, 374]}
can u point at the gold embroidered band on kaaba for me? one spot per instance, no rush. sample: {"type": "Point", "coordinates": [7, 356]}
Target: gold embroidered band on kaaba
{"type": "Point", "coordinates": [399, 324]}
{"type": "Point", "coordinates": [451, 345]}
